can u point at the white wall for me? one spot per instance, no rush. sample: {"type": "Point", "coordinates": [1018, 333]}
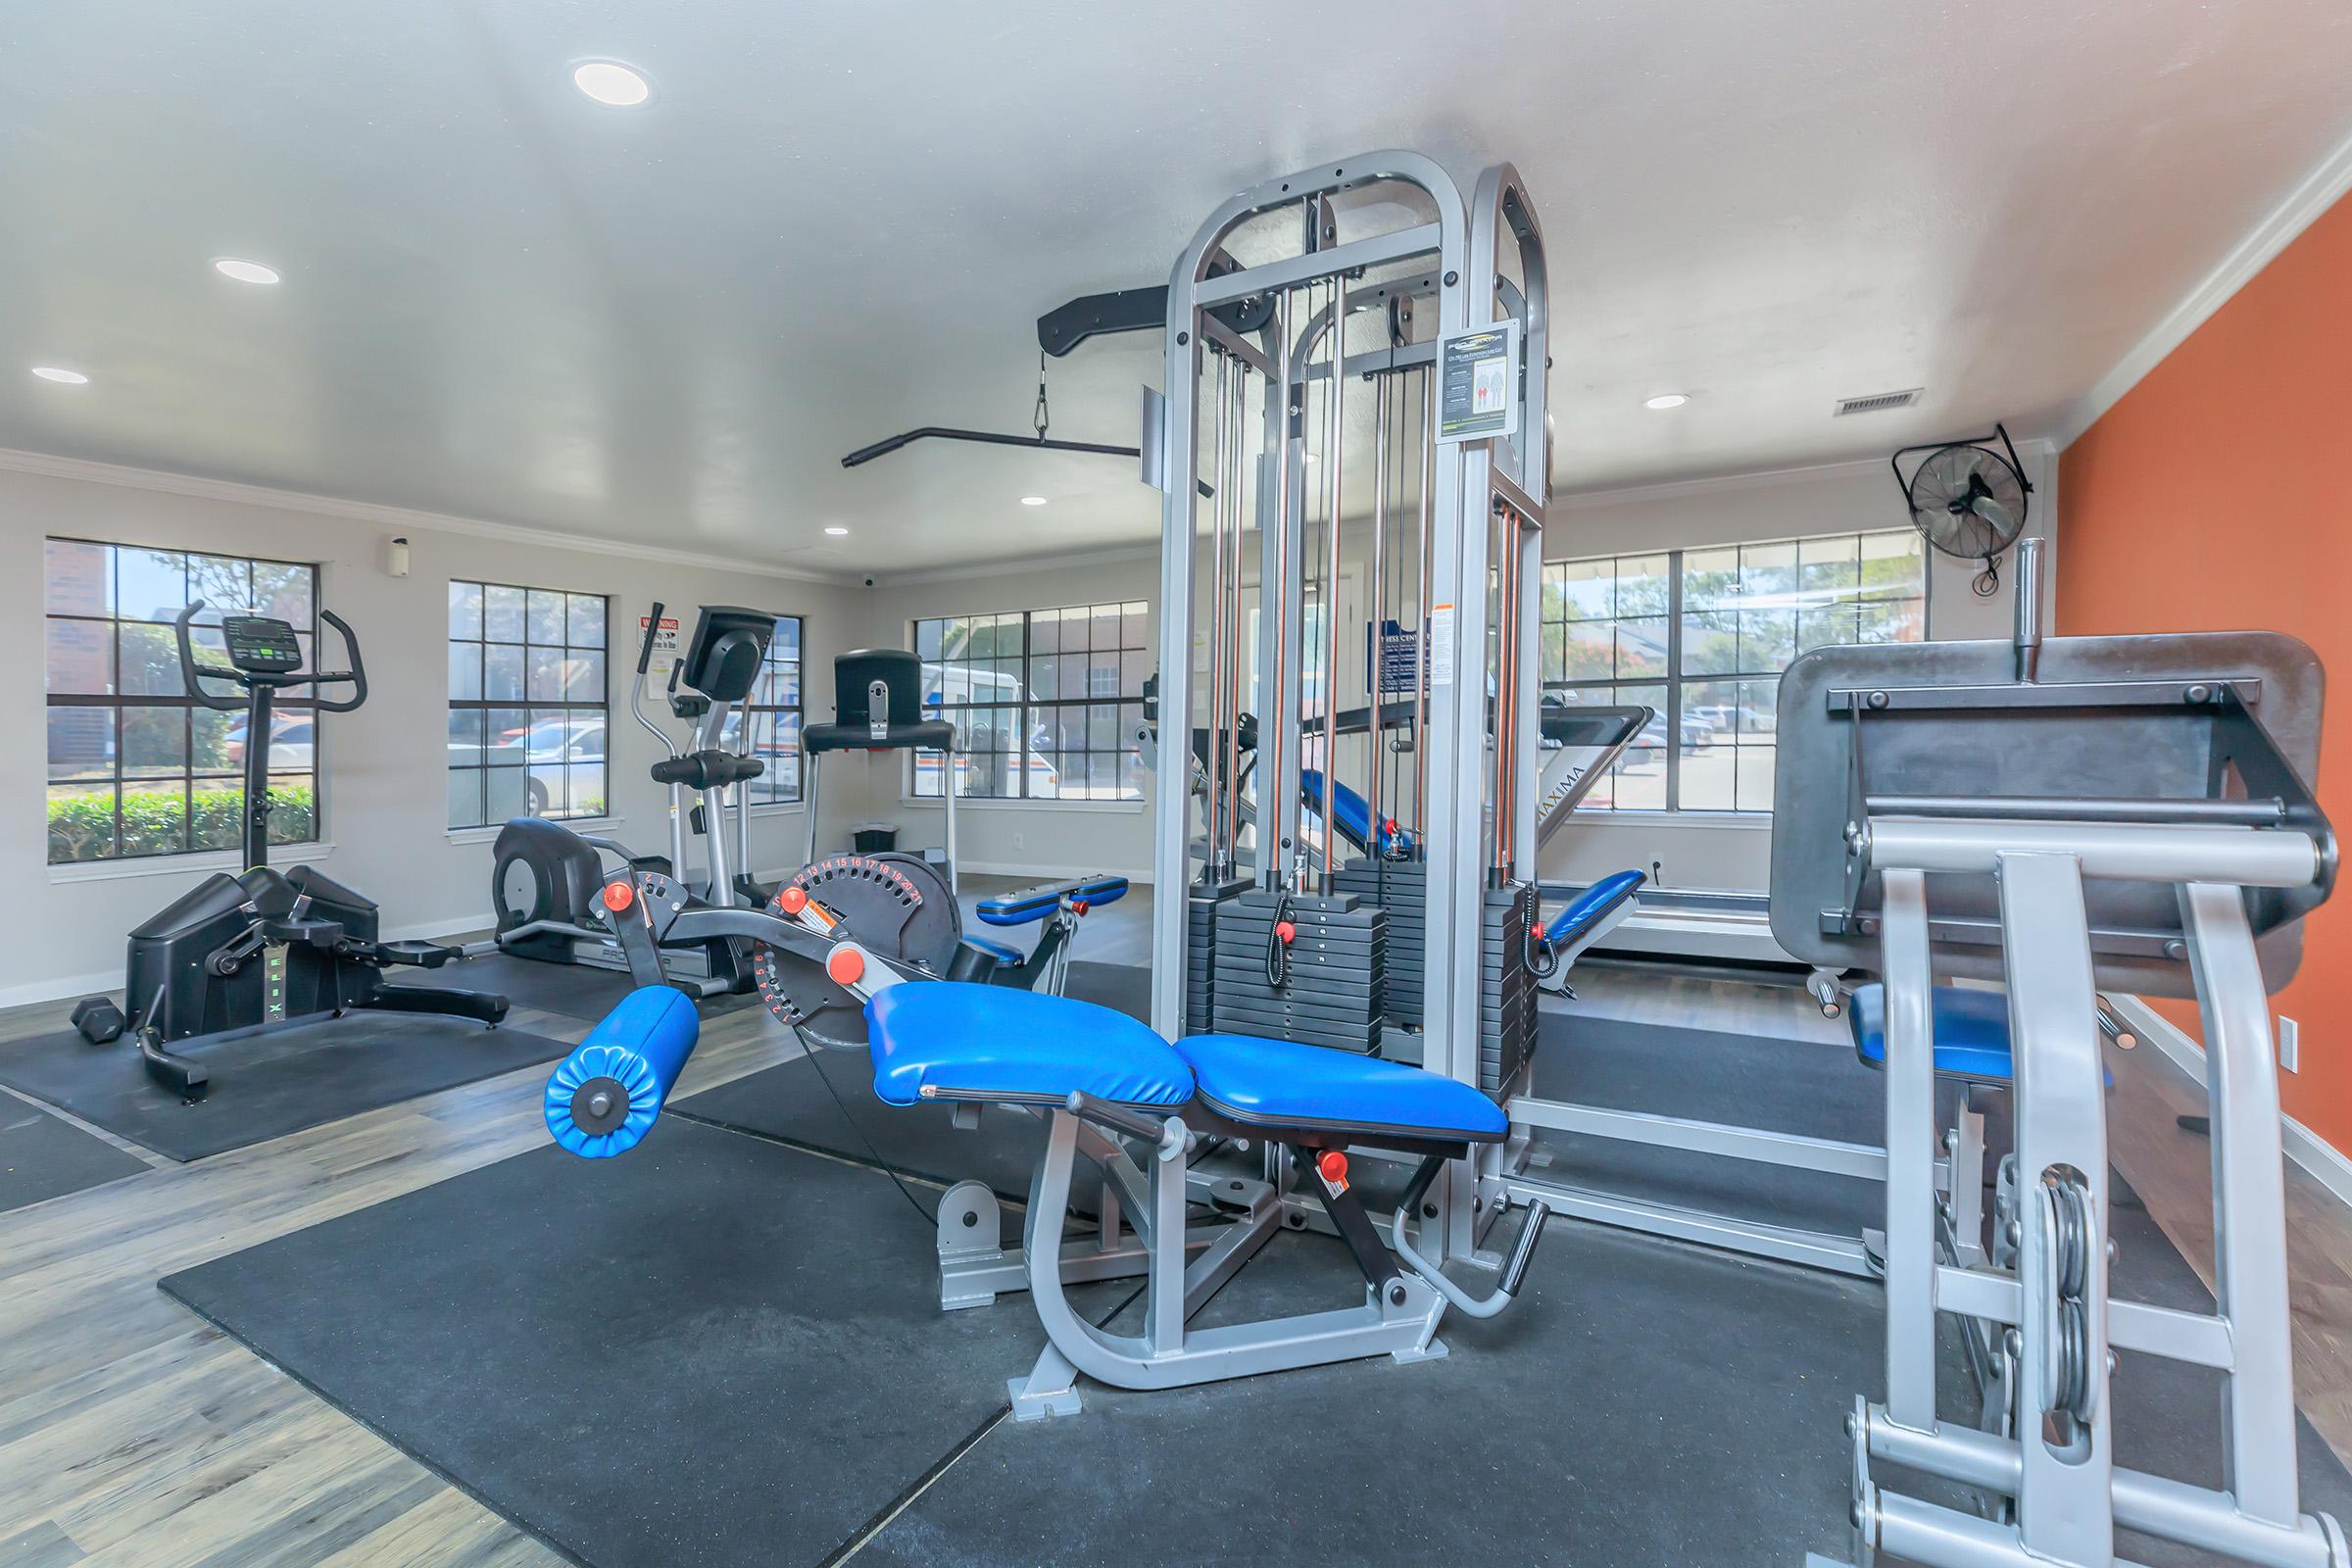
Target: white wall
{"type": "Point", "coordinates": [383, 788]}
{"type": "Point", "coordinates": [1700, 852]}
{"type": "Point", "coordinates": [1047, 838]}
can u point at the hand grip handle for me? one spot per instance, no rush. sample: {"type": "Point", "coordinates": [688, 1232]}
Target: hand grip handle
{"type": "Point", "coordinates": [644, 644]}
{"type": "Point", "coordinates": [194, 667]}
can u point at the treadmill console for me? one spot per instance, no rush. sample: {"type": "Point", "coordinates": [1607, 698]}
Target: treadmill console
{"type": "Point", "coordinates": [261, 645]}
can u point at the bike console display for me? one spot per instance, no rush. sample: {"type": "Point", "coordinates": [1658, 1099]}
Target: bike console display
{"type": "Point", "coordinates": [261, 645]}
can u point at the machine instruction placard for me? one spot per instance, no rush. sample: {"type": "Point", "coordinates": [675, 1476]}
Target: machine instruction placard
{"type": "Point", "coordinates": [1441, 646]}
{"type": "Point", "coordinates": [1478, 382]}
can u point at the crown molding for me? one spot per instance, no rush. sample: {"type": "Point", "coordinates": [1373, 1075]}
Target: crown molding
{"type": "Point", "coordinates": [368, 511]}
{"type": "Point", "coordinates": [1721, 483]}
{"type": "Point", "coordinates": [2319, 190]}
{"type": "Point", "coordinates": [1025, 565]}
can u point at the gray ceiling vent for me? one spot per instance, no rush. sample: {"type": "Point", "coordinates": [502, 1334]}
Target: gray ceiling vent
{"type": "Point", "coordinates": [1879, 402]}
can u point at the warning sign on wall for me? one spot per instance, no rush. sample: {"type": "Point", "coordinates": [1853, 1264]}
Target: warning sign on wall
{"type": "Point", "coordinates": [666, 646]}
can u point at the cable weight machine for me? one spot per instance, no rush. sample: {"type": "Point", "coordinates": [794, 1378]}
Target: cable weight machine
{"type": "Point", "coordinates": [1276, 936]}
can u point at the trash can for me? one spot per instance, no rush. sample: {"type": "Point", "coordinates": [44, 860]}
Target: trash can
{"type": "Point", "coordinates": [873, 837]}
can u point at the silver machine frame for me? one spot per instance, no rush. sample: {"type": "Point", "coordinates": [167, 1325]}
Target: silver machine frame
{"type": "Point", "coordinates": [2147, 826]}
{"type": "Point", "coordinates": [1479, 515]}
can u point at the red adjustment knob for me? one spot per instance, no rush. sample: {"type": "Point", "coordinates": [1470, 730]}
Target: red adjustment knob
{"type": "Point", "coordinates": [1331, 1165]}
{"type": "Point", "coordinates": [791, 901]}
{"type": "Point", "coordinates": [1390, 827]}
{"type": "Point", "coordinates": [1285, 932]}
{"type": "Point", "coordinates": [1077, 906]}
{"type": "Point", "coordinates": [845, 967]}
{"type": "Point", "coordinates": [618, 895]}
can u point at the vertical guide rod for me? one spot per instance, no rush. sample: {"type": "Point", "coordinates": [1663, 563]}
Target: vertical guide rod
{"type": "Point", "coordinates": [1231, 652]}
{"type": "Point", "coordinates": [1337, 461]}
{"type": "Point", "coordinates": [1273, 617]}
{"type": "Point", "coordinates": [1378, 652]}
{"type": "Point", "coordinates": [1421, 625]}
{"type": "Point", "coordinates": [1218, 784]}
{"type": "Point", "coordinates": [1504, 519]}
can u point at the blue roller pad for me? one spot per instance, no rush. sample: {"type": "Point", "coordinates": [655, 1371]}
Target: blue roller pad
{"type": "Point", "coordinates": [1350, 816]}
{"type": "Point", "coordinates": [643, 1044]}
{"type": "Point", "coordinates": [1279, 1084]}
{"type": "Point", "coordinates": [976, 1041]}
{"type": "Point", "coordinates": [1025, 905]}
{"type": "Point", "coordinates": [1591, 907]}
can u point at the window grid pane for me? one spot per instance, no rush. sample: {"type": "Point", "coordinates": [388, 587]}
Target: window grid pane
{"type": "Point", "coordinates": [134, 767]}
{"type": "Point", "coordinates": [1045, 703]}
{"type": "Point", "coordinates": [510, 647]}
{"type": "Point", "coordinates": [1741, 615]}
{"type": "Point", "coordinates": [771, 729]}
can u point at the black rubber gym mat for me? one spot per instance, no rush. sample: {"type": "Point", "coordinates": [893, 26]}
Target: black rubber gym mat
{"type": "Point", "coordinates": [43, 1155]}
{"type": "Point", "coordinates": [712, 1350]}
{"type": "Point", "coordinates": [574, 989]}
{"type": "Point", "coordinates": [267, 1085]}
{"type": "Point", "coordinates": [1807, 1087]}
{"type": "Point", "coordinates": [1124, 986]}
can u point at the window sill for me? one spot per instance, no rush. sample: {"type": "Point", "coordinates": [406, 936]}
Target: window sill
{"type": "Point", "coordinates": [202, 865]}
{"type": "Point", "coordinates": [602, 826]}
{"type": "Point", "coordinates": [932, 802]}
{"type": "Point", "coordinates": [1736, 821]}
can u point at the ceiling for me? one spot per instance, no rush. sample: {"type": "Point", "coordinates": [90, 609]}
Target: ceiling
{"type": "Point", "coordinates": [665, 325]}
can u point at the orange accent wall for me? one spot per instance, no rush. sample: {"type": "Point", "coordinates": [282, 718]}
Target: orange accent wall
{"type": "Point", "coordinates": [2217, 496]}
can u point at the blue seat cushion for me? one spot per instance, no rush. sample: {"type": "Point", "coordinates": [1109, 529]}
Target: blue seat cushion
{"type": "Point", "coordinates": [1283, 1084]}
{"type": "Point", "coordinates": [1002, 952]}
{"type": "Point", "coordinates": [1023, 905]}
{"type": "Point", "coordinates": [975, 1041]}
{"type": "Point", "coordinates": [1591, 907]}
{"type": "Point", "coordinates": [1972, 1030]}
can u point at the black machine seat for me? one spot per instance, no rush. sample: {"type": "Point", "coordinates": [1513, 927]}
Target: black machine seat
{"type": "Point", "coordinates": [899, 725]}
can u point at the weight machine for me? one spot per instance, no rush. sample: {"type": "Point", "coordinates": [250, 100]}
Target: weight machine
{"type": "Point", "coordinates": [1386, 291]}
{"type": "Point", "coordinates": [2064, 815]}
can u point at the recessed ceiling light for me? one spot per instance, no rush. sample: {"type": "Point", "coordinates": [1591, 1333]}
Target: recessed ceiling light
{"type": "Point", "coordinates": [50, 372]}
{"type": "Point", "coordinates": [1666, 400]}
{"type": "Point", "coordinates": [1032, 500]}
{"type": "Point", "coordinates": [244, 271]}
{"type": "Point", "coordinates": [838, 534]}
{"type": "Point", "coordinates": [611, 83]}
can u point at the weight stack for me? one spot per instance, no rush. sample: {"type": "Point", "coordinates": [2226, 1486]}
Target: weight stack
{"type": "Point", "coordinates": [1507, 992]}
{"type": "Point", "coordinates": [1401, 890]}
{"type": "Point", "coordinates": [1331, 994]}
{"type": "Point", "coordinates": [1202, 901]}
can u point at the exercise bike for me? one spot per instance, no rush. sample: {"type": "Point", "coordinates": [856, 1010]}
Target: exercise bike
{"type": "Point", "coordinates": [543, 877]}
{"type": "Point", "coordinates": [239, 955]}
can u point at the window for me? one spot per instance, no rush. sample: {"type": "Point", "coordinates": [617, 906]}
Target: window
{"type": "Point", "coordinates": [136, 767]}
{"type": "Point", "coordinates": [1045, 703]}
{"type": "Point", "coordinates": [1703, 636]}
{"type": "Point", "coordinates": [774, 712]}
{"type": "Point", "coordinates": [526, 703]}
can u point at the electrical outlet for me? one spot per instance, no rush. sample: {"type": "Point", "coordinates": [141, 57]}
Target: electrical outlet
{"type": "Point", "coordinates": [1016, 842]}
{"type": "Point", "coordinates": [2289, 1043]}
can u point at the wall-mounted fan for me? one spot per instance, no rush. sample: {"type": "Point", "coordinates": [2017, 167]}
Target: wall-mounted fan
{"type": "Point", "coordinates": [1967, 499]}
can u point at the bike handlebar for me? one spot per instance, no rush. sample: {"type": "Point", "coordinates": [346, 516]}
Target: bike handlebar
{"type": "Point", "coordinates": [197, 671]}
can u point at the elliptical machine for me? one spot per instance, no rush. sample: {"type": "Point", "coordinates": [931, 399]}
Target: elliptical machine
{"type": "Point", "coordinates": [545, 877]}
{"type": "Point", "coordinates": [239, 955]}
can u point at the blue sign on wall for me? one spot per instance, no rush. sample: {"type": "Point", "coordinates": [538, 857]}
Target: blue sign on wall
{"type": "Point", "coordinates": [1397, 650]}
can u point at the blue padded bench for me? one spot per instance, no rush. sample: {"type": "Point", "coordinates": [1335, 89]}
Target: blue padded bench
{"type": "Point", "coordinates": [947, 1041]}
{"type": "Point", "coordinates": [1353, 819]}
{"type": "Point", "coordinates": [1591, 907]}
{"type": "Point", "coordinates": [1002, 952]}
{"type": "Point", "coordinates": [1972, 1031]}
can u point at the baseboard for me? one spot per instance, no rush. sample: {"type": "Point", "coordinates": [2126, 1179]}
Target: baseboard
{"type": "Point", "coordinates": [2321, 1161]}
{"type": "Point", "coordinates": [1052, 873]}
{"type": "Point", "coordinates": [33, 991]}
